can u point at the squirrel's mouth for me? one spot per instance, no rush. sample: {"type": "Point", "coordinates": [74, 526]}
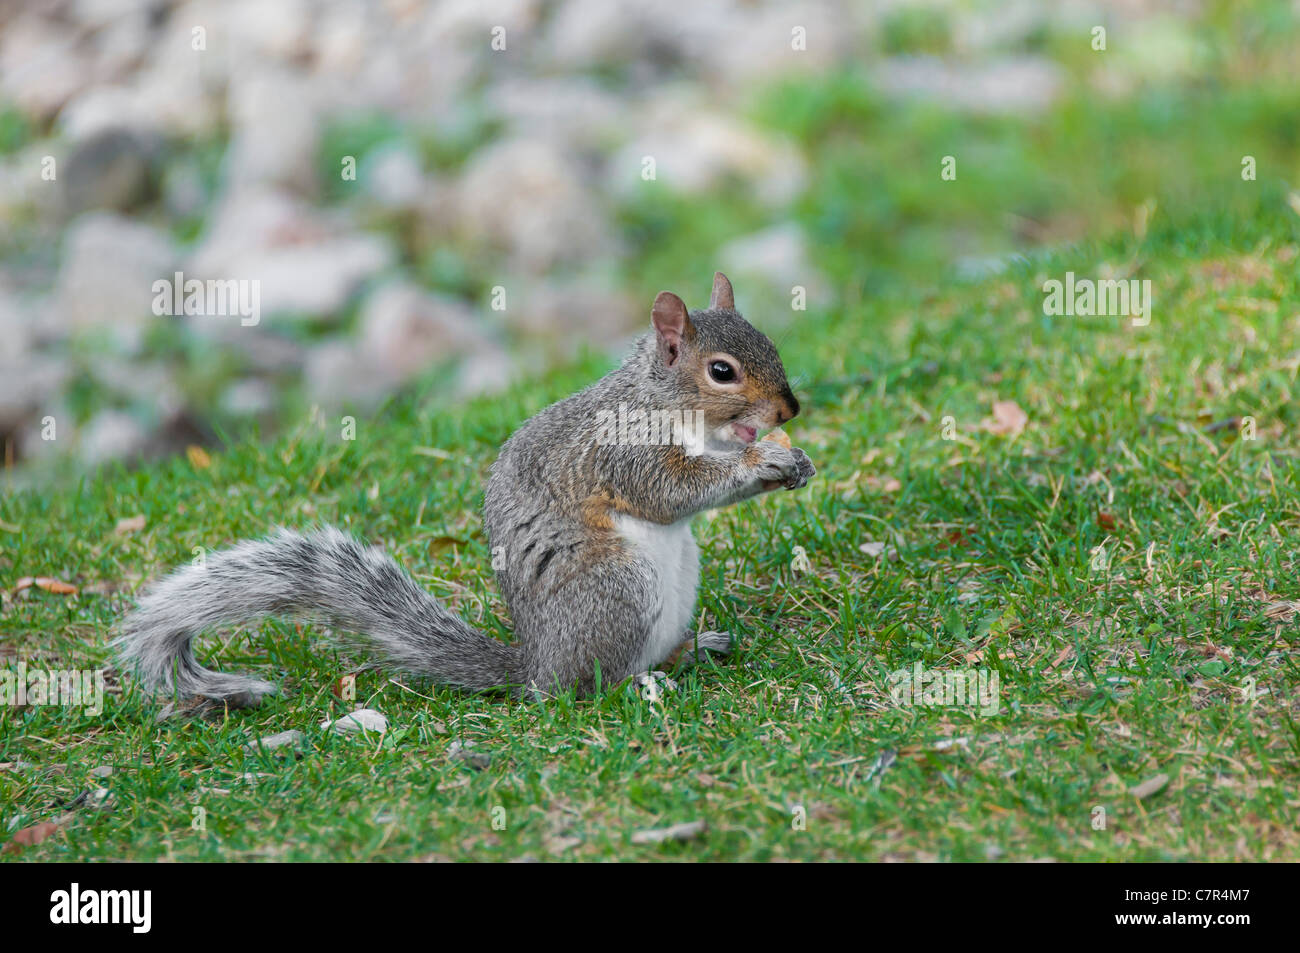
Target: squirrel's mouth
{"type": "Point", "coordinates": [744, 432]}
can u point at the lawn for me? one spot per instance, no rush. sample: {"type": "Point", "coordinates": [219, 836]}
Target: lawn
{"type": "Point", "coordinates": [1117, 542]}
{"type": "Point", "coordinates": [1126, 565]}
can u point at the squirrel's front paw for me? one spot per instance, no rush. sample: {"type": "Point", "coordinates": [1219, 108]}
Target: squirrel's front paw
{"type": "Point", "coordinates": [781, 467]}
{"type": "Point", "coordinates": [806, 469]}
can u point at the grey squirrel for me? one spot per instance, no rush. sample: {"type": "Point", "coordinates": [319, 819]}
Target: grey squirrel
{"type": "Point", "coordinates": [591, 536]}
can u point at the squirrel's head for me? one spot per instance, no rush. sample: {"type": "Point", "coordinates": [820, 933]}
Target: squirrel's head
{"type": "Point", "coordinates": [721, 364]}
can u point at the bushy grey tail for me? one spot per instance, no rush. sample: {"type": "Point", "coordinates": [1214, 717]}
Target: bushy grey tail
{"type": "Point", "coordinates": [323, 576]}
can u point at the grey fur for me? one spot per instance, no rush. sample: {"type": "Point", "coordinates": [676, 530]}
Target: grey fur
{"type": "Point", "coordinates": [324, 576]}
{"type": "Point", "coordinates": [585, 602]}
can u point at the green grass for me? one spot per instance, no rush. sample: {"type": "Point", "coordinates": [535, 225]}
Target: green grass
{"type": "Point", "coordinates": [1109, 677]}
{"type": "Point", "coordinates": [1127, 565]}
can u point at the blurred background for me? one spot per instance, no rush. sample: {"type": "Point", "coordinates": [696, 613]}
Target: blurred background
{"type": "Point", "coordinates": [449, 195]}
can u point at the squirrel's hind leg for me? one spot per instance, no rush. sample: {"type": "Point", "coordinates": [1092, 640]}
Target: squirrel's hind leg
{"type": "Point", "coordinates": [691, 652]}
{"type": "Point", "coordinates": [586, 629]}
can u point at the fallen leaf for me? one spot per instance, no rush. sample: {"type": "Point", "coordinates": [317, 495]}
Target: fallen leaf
{"type": "Point", "coordinates": [271, 742]}
{"type": "Point", "coordinates": [955, 537]}
{"type": "Point", "coordinates": [198, 457]}
{"type": "Point", "coordinates": [440, 543]}
{"type": "Point", "coordinates": [1106, 521]}
{"type": "Point", "coordinates": [558, 845]}
{"type": "Point", "coordinates": [884, 485]}
{"type": "Point", "coordinates": [1112, 784]}
{"type": "Point", "coordinates": [1149, 787]}
{"type": "Point", "coordinates": [1008, 419]}
{"type": "Point", "coordinates": [132, 524]}
{"type": "Point", "coordinates": [31, 836]}
{"type": "Point", "coordinates": [1281, 611]}
{"type": "Point", "coordinates": [872, 549]}
{"type": "Point", "coordinates": [1064, 654]}
{"type": "Point", "coordinates": [46, 583]}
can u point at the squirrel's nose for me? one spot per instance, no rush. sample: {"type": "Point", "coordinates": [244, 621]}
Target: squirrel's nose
{"type": "Point", "coordinates": [791, 408]}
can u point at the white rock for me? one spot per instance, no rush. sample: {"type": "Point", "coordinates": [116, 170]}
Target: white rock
{"type": "Point", "coordinates": [21, 185]}
{"type": "Point", "coordinates": [394, 178]}
{"type": "Point", "coordinates": [529, 198]}
{"type": "Point", "coordinates": [183, 190]}
{"type": "Point", "coordinates": [756, 45]}
{"type": "Point", "coordinates": [585, 33]}
{"type": "Point", "coordinates": [39, 65]}
{"type": "Point", "coordinates": [341, 41]}
{"type": "Point", "coordinates": [269, 99]}
{"type": "Point", "coordinates": [1020, 85]}
{"type": "Point", "coordinates": [122, 35]}
{"type": "Point", "coordinates": [361, 720]}
{"type": "Point", "coordinates": [175, 88]}
{"type": "Point", "coordinates": [279, 740]}
{"type": "Point", "coordinates": [695, 150]}
{"type": "Point", "coordinates": [485, 372]}
{"type": "Point", "coordinates": [334, 374]}
{"type": "Point", "coordinates": [280, 30]}
{"type": "Point", "coordinates": [106, 279]}
{"type": "Point", "coordinates": [248, 397]}
{"type": "Point", "coordinates": [729, 42]}
{"type": "Point", "coordinates": [111, 435]}
{"type": "Point", "coordinates": [404, 330]}
{"type": "Point", "coordinates": [776, 256]}
{"type": "Point", "coordinates": [17, 334]}
{"type": "Point", "coordinates": [466, 19]}
{"type": "Point", "coordinates": [33, 445]}
{"type": "Point", "coordinates": [580, 309]}
{"type": "Point", "coordinates": [306, 263]}
{"type": "Point", "coordinates": [571, 110]}
{"type": "Point", "coordinates": [138, 382]}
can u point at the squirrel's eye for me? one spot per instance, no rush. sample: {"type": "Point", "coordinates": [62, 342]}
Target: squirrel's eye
{"type": "Point", "coordinates": [722, 372]}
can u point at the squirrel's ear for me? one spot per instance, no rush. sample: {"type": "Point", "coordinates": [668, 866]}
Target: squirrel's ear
{"type": "Point", "coordinates": [722, 296]}
{"type": "Point", "coordinates": [671, 323]}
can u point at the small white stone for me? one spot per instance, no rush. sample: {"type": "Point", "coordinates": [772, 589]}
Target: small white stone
{"type": "Point", "coordinates": [478, 760]}
{"type": "Point", "coordinates": [270, 742]}
{"type": "Point", "coordinates": [363, 719]}
{"type": "Point", "coordinates": [678, 832]}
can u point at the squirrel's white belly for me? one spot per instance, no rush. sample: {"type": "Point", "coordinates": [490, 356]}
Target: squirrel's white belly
{"type": "Point", "coordinates": [676, 560]}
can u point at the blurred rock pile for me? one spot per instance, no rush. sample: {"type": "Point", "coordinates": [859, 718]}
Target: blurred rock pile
{"type": "Point", "coordinates": [494, 144]}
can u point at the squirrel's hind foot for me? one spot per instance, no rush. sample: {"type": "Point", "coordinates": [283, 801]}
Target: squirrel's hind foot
{"type": "Point", "coordinates": [691, 651]}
